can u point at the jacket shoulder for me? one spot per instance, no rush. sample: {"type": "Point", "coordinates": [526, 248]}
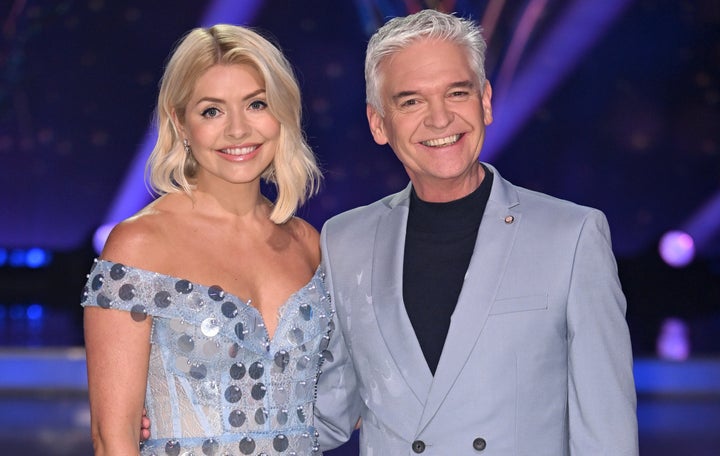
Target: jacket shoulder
{"type": "Point", "coordinates": [361, 218]}
{"type": "Point", "coordinates": [544, 205]}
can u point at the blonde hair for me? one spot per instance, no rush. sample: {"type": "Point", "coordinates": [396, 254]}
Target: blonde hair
{"type": "Point", "coordinates": [293, 172]}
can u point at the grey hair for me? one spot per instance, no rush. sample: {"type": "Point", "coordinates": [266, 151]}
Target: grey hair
{"type": "Point", "coordinates": [400, 32]}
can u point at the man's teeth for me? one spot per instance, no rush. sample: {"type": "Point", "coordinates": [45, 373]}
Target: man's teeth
{"type": "Point", "coordinates": [239, 150]}
{"type": "Point", "coordinates": [442, 141]}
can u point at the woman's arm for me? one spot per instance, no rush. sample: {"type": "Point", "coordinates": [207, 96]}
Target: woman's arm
{"type": "Point", "coordinates": [118, 352]}
{"type": "Point", "coordinates": [118, 349]}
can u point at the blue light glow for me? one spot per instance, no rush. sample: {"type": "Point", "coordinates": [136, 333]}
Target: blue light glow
{"type": "Point", "coordinates": [35, 312]}
{"type": "Point", "coordinates": [37, 257]}
{"type": "Point", "coordinates": [17, 312]}
{"type": "Point", "coordinates": [34, 257]}
{"type": "Point", "coordinates": [17, 258]}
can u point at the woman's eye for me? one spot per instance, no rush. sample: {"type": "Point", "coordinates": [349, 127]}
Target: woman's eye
{"type": "Point", "coordinates": [258, 105]}
{"type": "Point", "coordinates": [211, 112]}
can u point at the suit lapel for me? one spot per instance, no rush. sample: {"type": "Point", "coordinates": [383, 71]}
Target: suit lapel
{"type": "Point", "coordinates": [387, 298]}
{"type": "Point", "coordinates": [487, 266]}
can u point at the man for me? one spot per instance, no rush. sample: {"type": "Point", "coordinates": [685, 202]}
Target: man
{"type": "Point", "coordinates": [473, 316]}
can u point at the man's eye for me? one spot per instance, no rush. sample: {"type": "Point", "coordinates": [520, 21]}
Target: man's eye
{"type": "Point", "coordinates": [459, 93]}
{"type": "Point", "coordinates": [408, 103]}
{"type": "Point", "coordinates": [211, 112]}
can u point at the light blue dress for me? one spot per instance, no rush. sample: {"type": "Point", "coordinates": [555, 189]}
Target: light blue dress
{"type": "Point", "coordinates": [217, 384]}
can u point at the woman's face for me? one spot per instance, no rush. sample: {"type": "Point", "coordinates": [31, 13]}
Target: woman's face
{"type": "Point", "coordinates": [232, 134]}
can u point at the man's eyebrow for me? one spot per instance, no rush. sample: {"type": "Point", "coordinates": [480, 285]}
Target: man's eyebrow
{"type": "Point", "coordinates": [466, 84]}
{"type": "Point", "coordinates": [404, 94]}
{"type": "Point", "coordinates": [462, 84]}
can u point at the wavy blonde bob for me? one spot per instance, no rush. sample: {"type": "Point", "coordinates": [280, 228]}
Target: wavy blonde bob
{"type": "Point", "coordinates": [293, 172]}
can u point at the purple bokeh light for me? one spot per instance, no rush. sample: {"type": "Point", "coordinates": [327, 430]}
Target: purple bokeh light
{"type": "Point", "coordinates": [673, 342]}
{"type": "Point", "coordinates": [101, 235]}
{"type": "Point", "coordinates": [677, 248]}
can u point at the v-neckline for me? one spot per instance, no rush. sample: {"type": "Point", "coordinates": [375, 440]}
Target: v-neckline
{"type": "Point", "coordinates": [206, 288]}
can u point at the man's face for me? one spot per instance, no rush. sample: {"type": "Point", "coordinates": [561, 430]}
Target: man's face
{"type": "Point", "coordinates": [435, 117]}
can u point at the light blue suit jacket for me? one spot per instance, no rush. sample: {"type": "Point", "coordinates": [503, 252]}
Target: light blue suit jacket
{"type": "Point", "coordinates": [537, 360]}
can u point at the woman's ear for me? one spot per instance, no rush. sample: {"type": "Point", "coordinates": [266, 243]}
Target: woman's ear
{"type": "Point", "coordinates": [177, 124]}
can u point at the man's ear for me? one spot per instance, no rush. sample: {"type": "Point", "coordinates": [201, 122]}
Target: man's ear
{"type": "Point", "coordinates": [487, 104]}
{"type": "Point", "coordinates": [375, 121]}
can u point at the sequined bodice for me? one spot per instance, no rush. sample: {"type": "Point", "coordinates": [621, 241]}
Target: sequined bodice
{"type": "Point", "coordinates": [217, 384]}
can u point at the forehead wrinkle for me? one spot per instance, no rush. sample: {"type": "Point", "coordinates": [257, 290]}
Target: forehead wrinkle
{"type": "Point", "coordinates": [466, 84]}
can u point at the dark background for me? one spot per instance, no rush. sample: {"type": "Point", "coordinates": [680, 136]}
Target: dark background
{"type": "Point", "coordinates": [610, 103]}
{"type": "Point", "coordinates": [630, 126]}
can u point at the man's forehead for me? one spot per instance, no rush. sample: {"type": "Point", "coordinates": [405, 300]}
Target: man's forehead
{"type": "Point", "coordinates": [466, 84]}
{"type": "Point", "coordinates": [443, 54]}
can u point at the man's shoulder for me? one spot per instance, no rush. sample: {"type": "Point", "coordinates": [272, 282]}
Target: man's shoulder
{"type": "Point", "coordinates": [533, 198]}
{"type": "Point", "coordinates": [364, 215]}
{"type": "Point", "coordinates": [560, 216]}
{"type": "Point", "coordinates": [507, 193]}
{"type": "Point", "coordinates": [542, 208]}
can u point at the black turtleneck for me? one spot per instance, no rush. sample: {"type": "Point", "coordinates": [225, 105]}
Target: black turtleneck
{"type": "Point", "coordinates": [438, 247]}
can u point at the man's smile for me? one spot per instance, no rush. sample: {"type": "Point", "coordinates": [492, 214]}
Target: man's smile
{"type": "Point", "coordinates": [442, 142]}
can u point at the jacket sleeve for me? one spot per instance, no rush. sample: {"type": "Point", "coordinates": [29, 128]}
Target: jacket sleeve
{"type": "Point", "coordinates": [338, 404]}
{"type": "Point", "coordinates": [601, 390]}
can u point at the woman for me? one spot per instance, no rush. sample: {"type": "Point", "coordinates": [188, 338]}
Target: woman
{"type": "Point", "coordinates": [208, 306]}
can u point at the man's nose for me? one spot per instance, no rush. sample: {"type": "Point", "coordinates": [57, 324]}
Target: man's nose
{"type": "Point", "coordinates": [438, 116]}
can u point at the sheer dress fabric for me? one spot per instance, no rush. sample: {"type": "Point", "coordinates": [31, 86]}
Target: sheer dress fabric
{"type": "Point", "coordinates": [217, 384]}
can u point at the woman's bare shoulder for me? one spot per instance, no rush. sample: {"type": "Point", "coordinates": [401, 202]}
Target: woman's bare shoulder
{"type": "Point", "coordinates": [307, 235]}
{"type": "Point", "coordinates": [141, 240]}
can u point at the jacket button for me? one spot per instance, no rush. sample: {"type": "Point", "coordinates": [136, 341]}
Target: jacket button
{"type": "Point", "coordinates": [479, 444]}
{"type": "Point", "coordinates": [418, 446]}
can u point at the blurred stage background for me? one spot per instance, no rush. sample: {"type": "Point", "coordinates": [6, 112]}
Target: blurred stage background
{"type": "Point", "coordinates": [610, 103]}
